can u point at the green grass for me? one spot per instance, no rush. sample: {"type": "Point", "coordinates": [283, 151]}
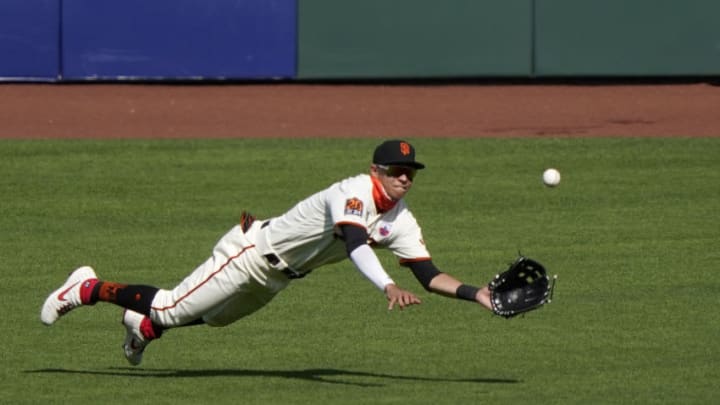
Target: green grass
{"type": "Point", "coordinates": [633, 232]}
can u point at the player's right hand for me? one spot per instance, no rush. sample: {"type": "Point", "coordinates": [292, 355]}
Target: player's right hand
{"type": "Point", "coordinates": [397, 296]}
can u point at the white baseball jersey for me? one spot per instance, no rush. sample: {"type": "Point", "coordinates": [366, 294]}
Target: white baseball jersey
{"type": "Point", "coordinates": [306, 236]}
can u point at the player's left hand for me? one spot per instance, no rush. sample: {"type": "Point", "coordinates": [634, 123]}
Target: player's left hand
{"type": "Point", "coordinates": [397, 296]}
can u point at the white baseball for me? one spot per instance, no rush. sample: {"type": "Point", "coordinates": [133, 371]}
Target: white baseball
{"type": "Point", "coordinates": [551, 177]}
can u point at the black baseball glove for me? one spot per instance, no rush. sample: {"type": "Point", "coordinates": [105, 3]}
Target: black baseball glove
{"type": "Point", "coordinates": [524, 286]}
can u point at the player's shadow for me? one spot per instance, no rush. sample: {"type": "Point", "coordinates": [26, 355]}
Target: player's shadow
{"type": "Point", "coordinates": [321, 375]}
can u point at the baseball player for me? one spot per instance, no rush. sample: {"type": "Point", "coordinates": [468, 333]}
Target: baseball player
{"type": "Point", "coordinates": [256, 259]}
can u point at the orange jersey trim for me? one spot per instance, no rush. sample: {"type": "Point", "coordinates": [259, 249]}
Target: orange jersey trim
{"type": "Point", "coordinates": [359, 225]}
{"type": "Point", "coordinates": [404, 262]}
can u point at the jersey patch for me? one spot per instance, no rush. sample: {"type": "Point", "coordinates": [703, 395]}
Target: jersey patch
{"type": "Point", "coordinates": [353, 206]}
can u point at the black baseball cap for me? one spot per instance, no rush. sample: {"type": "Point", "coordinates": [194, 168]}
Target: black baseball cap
{"type": "Point", "coordinates": [396, 152]}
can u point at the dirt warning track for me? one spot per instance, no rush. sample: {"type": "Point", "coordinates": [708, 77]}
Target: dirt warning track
{"type": "Point", "coordinates": [357, 110]}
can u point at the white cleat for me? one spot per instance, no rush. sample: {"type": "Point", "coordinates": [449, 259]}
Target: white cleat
{"type": "Point", "coordinates": [135, 341]}
{"type": "Point", "coordinates": [67, 297]}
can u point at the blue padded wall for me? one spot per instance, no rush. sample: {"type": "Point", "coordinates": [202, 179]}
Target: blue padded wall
{"type": "Point", "coordinates": [29, 39]}
{"type": "Point", "coordinates": [179, 39]}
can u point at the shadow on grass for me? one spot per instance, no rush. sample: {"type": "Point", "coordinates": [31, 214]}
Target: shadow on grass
{"type": "Point", "coordinates": [322, 375]}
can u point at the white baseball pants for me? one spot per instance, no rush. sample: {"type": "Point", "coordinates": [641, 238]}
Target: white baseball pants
{"type": "Point", "coordinates": [234, 282]}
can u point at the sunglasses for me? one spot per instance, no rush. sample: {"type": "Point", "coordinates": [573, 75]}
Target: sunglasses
{"type": "Point", "coordinates": [397, 171]}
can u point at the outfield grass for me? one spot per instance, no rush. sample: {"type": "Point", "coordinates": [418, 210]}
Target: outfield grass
{"type": "Point", "coordinates": [632, 231]}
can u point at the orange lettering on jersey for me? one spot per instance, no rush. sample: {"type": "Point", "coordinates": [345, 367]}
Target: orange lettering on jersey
{"type": "Point", "coordinates": [353, 206]}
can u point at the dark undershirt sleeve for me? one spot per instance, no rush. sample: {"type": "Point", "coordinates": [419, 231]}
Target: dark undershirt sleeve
{"type": "Point", "coordinates": [424, 271]}
{"type": "Point", "coordinates": [353, 236]}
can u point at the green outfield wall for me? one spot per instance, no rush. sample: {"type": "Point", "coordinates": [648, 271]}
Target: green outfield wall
{"type": "Point", "coordinates": [413, 38]}
{"type": "Point", "coordinates": [627, 37]}
{"type": "Point", "coordinates": [350, 39]}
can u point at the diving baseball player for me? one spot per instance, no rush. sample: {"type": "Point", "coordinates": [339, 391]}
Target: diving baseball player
{"type": "Point", "coordinates": [256, 259]}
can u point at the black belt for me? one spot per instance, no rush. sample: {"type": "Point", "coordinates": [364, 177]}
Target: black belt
{"type": "Point", "coordinates": [288, 272]}
{"type": "Point", "coordinates": [274, 260]}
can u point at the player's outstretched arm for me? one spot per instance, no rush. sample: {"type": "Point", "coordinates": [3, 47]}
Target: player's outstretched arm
{"type": "Point", "coordinates": [447, 285]}
{"type": "Point", "coordinates": [444, 284]}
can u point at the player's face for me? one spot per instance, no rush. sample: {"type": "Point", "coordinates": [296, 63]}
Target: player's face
{"type": "Point", "coordinates": [397, 180]}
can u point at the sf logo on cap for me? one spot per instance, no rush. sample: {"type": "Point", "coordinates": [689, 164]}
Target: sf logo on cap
{"type": "Point", "coordinates": [404, 148]}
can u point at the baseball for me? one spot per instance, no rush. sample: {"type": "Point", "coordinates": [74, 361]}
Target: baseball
{"type": "Point", "coordinates": [551, 177]}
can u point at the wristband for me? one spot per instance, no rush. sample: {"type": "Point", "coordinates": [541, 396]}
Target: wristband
{"type": "Point", "coordinates": [466, 292]}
